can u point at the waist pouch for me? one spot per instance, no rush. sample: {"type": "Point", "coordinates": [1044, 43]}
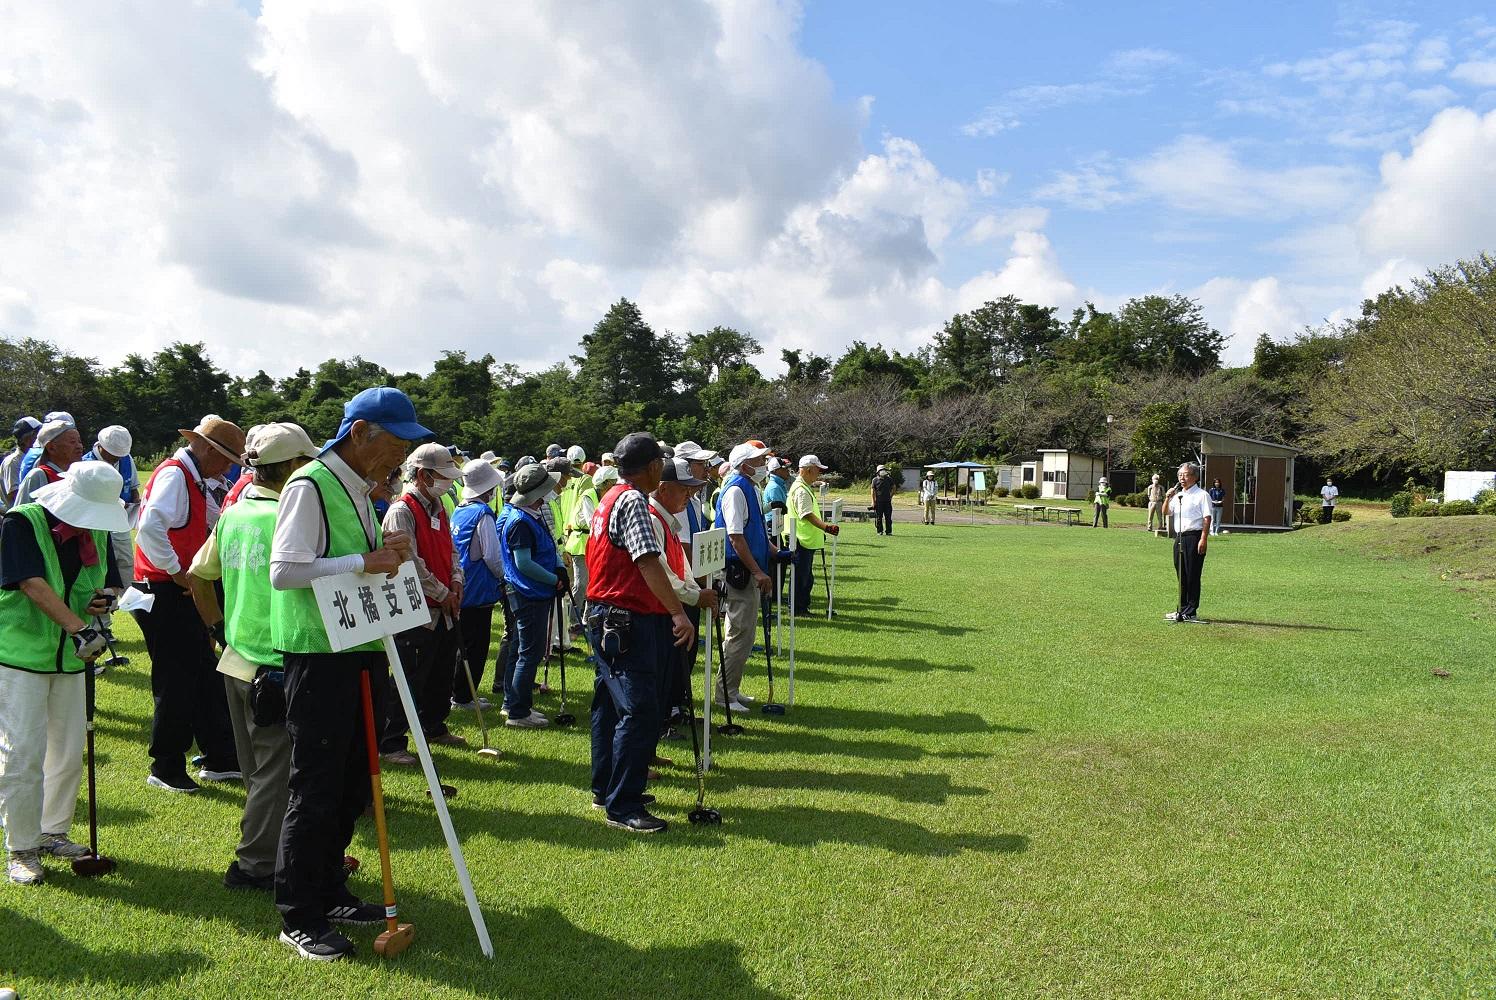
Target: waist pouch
{"type": "Point", "coordinates": [267, 697]}
{"type": "Point", "coordinates": [615, 627]}
{"type": "Point", "coordinates": [737, 574]}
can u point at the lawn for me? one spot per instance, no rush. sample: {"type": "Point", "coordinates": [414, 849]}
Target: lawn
{"type": "Point", "coordinates": [1004, 776]}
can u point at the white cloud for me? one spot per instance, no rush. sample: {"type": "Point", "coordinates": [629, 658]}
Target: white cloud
{"type": "Point", "coordinates": [1125, 73]}
{"type": "Point", "coordinates": [1093, 185]}
{"type": "Point", "coordinates": [1480, 72]}
{"type": "Point", "coordinates": [1431, 55]}
{"type": "Point", "coordinates": [1004, 225]}
{"type": "Point", "coordinates": [1245, 309]}
{"type": "Point", "coordinates": [1032, 272]}
{"type": "Point", "coordinates": [1203, 175]}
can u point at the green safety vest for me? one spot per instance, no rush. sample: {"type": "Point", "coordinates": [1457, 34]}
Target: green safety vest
{"type": "Point", "coordinates": [295, 622]}
{"type": "Point", "coordinates": [575, 542]}
{"type": "Point", "coordinates": [28, 638]}
{"type": "Point", "coordinates": [243, 536]}
{"type": "Point", "coordinates": [566, 502]}
{"type": "Point", "coordinates": [557, 521]}
{"type": "Point", "coordinates": [809, 535]}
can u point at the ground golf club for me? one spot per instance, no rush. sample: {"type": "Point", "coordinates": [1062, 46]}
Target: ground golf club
{"type": "Point", "coordinates": [467, 668]}
{"type": "Point", "coordinates": [396, 937]}
{"type": "Point", "coordinates": [94, 865]}
{"type": "Point", "coordinates": [770, 707]}
{"type": "Point", "coordinates": [563, 718]}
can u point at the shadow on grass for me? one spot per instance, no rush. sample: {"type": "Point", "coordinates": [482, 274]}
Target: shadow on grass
{"type": "Point", "coordinates": [872, 720]}
{"type": "Point", "coordinates": [36, 951]}
{"type": "Point", "coordinates": [910, 786]}
{"type": "Point", "coordinates": [560, 959]}
{"type": "Point", "coordinates": [1296, 626]}
{"type": "Point", "coordinates": [885, 623]}
{"type": "Point", "coordinates": [904, 663]}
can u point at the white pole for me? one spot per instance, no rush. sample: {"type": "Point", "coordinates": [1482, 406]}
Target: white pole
{"type": "Point", "coordinates": [706, 698]}
{"type": "Point", "coordinates": [434, 785]}
{"type": "Point", "coordinates": [794, 545]}
{"type": "Point", "coordinates": [777, 529]}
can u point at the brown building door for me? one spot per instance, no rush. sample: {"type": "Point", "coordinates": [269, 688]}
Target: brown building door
{"type": "Point", "coordinates": [1272, 481]}
{"type": "Point", "coordinates": [1221, 467]}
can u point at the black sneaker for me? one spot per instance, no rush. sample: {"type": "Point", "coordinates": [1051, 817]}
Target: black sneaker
{"type": "Point", "coordinates": [235, 878]}
{"type": "Point", "coordinates": [640, 822]}
{"type": "Point", "coordinates": [320, 946]}
{"type": "Point", "coordinates": [357, 913]}
{"type": "Point", "coordinates": [179, 783]}
{"type": "Point", "coordinates": [598, 803]}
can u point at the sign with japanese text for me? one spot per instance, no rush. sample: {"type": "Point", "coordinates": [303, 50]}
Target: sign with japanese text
{"type": "Point", "coordinates": [709, 551]}
{"type": "Point", "coordinates": [361, 607]}
{"type": "Point", "coordinates": [836, 506]}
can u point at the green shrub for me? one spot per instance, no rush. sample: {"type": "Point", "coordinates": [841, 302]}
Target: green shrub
{"type": "Point", "coordinates": [1487, 506]}
{"type": "Point", "coordinates": [1001, 491]}
{"type": "Point", "coordinates": [1030, 491]}
{"type": "Point", "coordinates": [1456, 508]}
{"type": "Point", "coordinates": [1425, 508]}
{"type": "Point", "coordinates": [1483, 496]}
{"type": "Point", "coordinates": [1340, 515]}
{"type": "Point", "coordinates": [1402, 503]}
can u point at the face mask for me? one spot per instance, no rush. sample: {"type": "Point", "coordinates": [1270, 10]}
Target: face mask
{"type": "Point", "coordinates": [440, 486]}
{"type": "Point", "coordinates": [761, 474]}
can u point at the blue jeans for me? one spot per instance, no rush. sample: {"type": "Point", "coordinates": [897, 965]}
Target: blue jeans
{"type": "Point", "coordinates": [531, 621]}
{"type": "Point", "coordinates": [805, 578]}
{"type": "Point", "coordinates": [626, 712]}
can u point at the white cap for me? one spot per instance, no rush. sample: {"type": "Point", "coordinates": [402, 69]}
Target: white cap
{"type": "Point", "coordinates": [745, 452]}
{"type": "Point", "coordinates": [693, 452]}
{"type": "Point", "coordinates": [606, 457]}
{"type": "Point", "coordinates": [62, 415]}
{"type": "Point", "coordinates": [882, 468]}
{"type": "Point", "coordinates": [51, 431]}
{"type": "Point", "coordinates": [605, 477]}
{"type": "Point", "coordinates": [87, 496]}
{"type": "Point", "coordinates": [116, 440]}
{"type": "Point", "coordinates": [807, 461]}
{"type": "Point", "coordinates": [576, 455]}
{"type": "Point", "coordinates": [478, 477]}
{"type": "Point", "coordinates": [489, 456]}
{"type": "Point", "coordinates": [435, 457]}
{"type": "Point", "coordinates": [268, 444]}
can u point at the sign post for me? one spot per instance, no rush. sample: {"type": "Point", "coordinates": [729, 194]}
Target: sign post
{"type": "Point", "coordinates": [794, 547]}
{"type": "Point", "coordinates": [362, 607]}
{"type": "Point", "coordinates": [708, 558]}
{"type": "Point", "coordinates": [776, 531]}
{"type": "Point", "coordinates": [836, 509]}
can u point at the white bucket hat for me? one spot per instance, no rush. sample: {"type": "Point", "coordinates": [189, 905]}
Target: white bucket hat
{"type": "Point", "coordinates": [478, 477]}
{"type": "Point", "coordinates": [116, 440]}
{"type": "Point", "coordinates": [605, 478]}
{"type": "Point", "coordinates": [745, 452]}
{"type": "Point", "coordinates": [87, 496]}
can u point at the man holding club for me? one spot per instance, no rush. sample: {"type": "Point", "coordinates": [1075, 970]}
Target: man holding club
{"type": "Point", "coordinates": [810, 530]}
{"type": "Point", "coordinates": [326, 526]}
{"type": "Point", "coordinates": [55, 571]}
{"type": "Point", "coordinates": [750, 554]}
{"type": "Point", "coordinates": [633, 618]}
{"type": "Point", "coordinates": [237, 552]}
{"type": "Point", "coordinates": [60, 446]}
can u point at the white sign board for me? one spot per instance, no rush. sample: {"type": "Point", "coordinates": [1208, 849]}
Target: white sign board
{"type": "Point", "coordinates": [361, 607]}
{"type": "Point", "coordinates": [709, 551]}
{"type": "Point", "coordinates": [776, 523]}
{"type": "Point", "coordinates": [979, 481]}
{"type": "Point", "coordinates": [836, 506]}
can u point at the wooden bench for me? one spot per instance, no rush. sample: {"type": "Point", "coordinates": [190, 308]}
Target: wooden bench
{"type": "Point", "coordinates": [1030, 511]}
{"type": "Point", "coordinates": [1072, 514]}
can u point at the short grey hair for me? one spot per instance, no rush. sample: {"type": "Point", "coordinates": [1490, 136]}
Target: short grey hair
{"type": "Point", "coordinates": [1194, 469]}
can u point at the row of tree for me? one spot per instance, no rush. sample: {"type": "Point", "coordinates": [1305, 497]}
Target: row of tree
{"type": "Point", "coordinates": [1406, 388]}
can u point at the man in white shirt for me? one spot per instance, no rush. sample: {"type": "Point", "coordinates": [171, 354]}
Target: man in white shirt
{"type": "Point", "coordinates": [10, 469]}
{"type": "Point", "coordinates": [751, 554]}
{"type": "Point", "coordinates": [927, 490]}
{"type": "Point", "coordinates": [1189, 506]}
{"type": "Point", "coordinates": [1327, 497]}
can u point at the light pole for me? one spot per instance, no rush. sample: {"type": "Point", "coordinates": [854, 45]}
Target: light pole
{"type": "Point", "coordinates": [1108, 446]}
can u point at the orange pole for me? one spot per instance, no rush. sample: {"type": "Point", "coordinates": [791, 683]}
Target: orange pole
{"type": "Point", "coordinates": [371, 743]}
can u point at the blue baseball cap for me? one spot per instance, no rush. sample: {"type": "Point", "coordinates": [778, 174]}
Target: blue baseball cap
{"type": "Point", "coordinates": [386, 406]}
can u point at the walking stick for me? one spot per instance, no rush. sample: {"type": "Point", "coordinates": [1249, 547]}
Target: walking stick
{"type": "Point", "coordinates": [769, 707]}
{"type": "Point", "coordinates": [563, 717]}
{"type": "Point", "coordinates": [94, 865]}
{"type": "Point", "coordinates": [396, 936]}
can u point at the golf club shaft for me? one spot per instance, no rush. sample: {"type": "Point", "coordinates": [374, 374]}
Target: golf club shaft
{"type": "Point", "coordinates": [93, 804]}
{"type": "Point", "coordinates": [467, 668]}
{"type": "Point", "coordinates": [826, 579]}
{"type": "Point", "coordinates": [763, 607]}
{"type": "Point", "coordinates": [561, 649]}
{"type": "Point", "coordinates": [376, 787]}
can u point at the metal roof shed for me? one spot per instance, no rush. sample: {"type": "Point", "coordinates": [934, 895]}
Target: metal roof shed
{"type": "Point", "coordinates": [1256, 475]}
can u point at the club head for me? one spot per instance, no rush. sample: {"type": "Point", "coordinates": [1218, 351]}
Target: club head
{"type": "Point", "coordinates": [350, 864]}
{"type": "Point", "coordinates": [448, 792]}
{"type": "Point", "coordinates": [729, 729]}
{"type": "Point", "coordinates": [564, 719]}
{"type": "Point", "coordinates": [771, 708]}
{"type": "Point", "coordinates": [391, 943]}
{"type": "Point", "coordinates": [701, 814]}
{"type": "Point", "coordinates": [94, 866]}
{"type": "Point", "coordinates": [490, 753]}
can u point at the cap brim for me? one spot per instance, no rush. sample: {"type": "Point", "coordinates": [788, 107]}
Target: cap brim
{"type": "Point", "coordinates": [191, 435]}
{"type": "Point", "coordinates": [68, 507]}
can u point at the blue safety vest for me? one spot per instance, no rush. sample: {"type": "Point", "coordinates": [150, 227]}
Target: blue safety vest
{"type": "Point", "coordinates": [544, 553]}
{"type": "Point", "coordinates": [755, 531]}
{"type": "Point", "coordinates": [480, 588]}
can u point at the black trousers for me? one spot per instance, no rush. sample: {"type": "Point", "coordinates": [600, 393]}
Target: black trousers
{"type": "Point", "coordinates": [475, 629]}
{"type": "Point", "coordinates": [428, 656]}
{"type": "Point", "coordinates": [329, 784]}
{"type": "Point", "coordinates": [883, 518]}
{"type": "Point", "coordinates": [511, 634]}
{"type": "Point", "coordinates": [1100, 517]}
{"type": "Point", "coordinates": [185, 685]}
{"type": "Point", "coordinates": [1189, 563]}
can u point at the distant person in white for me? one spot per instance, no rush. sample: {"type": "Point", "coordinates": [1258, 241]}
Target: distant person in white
{"type": "Point", "coordinates": [1327, 497]}
{"type": "Point", "coordinates": [1189, 507]}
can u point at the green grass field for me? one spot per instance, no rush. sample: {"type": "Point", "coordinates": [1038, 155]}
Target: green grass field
{"type": "Point", "coordinates": [1004, 776]}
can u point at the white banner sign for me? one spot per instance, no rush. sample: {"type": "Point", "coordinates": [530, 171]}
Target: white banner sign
{"type": "Point", "coordinates": [709, 551]}
{"type": "Point", "coordinates": [836, 506]}
{"type": "Point", "coordinates": [361, 607]}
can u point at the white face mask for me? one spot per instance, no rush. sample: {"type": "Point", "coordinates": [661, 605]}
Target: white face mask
{"type": "Point", "coordinates": [761, 474]}
{"type": "Point", "coordinates": [440, 486]}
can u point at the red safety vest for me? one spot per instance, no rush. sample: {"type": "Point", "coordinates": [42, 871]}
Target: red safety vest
{"type": "Point", "coordinates": [675, 552]}
{"type": "Point", "coordinates": [186, 540]}
{"type": "Point", "coordinates": [53, 476]}
{"type": "Point", "coordinates": [247, 477]}
{"type": "Point", "coordinates": [612, 577]}
{"type": "Point", "coordinates": [433, 545]}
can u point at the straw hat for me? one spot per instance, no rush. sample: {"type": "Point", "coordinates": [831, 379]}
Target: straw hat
{"type": "Point", "coordinates": [87, 496]}
{"type": "Point", "coordinates": [223, 435]}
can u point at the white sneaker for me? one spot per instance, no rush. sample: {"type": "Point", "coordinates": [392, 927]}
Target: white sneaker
{"type": "Point", "coordinates": [740, 708]}
{"type": "Point", "coordinates": [1172, 616]}
{"type": "Point", "coordinates": [59, 846]}
{"type": "Point", "coordinates": [532, 721]}
{"type": "Point", "coordinates": [207, 775]}
{"type": "Point", "coordinates": [467, 706]}
{"type": "Point", "coordinates": [25, 867]}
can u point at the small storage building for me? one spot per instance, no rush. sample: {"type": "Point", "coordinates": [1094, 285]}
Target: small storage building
{"type": "Point", "coordinates": [1068, 475]}
{"type": "Point", "coordinates": [1256, 475]}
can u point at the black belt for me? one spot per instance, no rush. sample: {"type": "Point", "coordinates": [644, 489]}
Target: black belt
{"type": "Point", "coordinates": [150, 587]}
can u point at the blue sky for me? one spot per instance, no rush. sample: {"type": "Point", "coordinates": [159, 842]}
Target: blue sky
{"type": "Point", "coordinates": [290, 180]}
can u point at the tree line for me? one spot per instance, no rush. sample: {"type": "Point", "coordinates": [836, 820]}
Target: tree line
{"type": "Point", "coordinates": [1406, 388]}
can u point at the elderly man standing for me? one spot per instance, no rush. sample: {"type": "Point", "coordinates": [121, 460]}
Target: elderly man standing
{"type": "Point", "coordinates": [882, 495]}
{"type": "Point", "coordinates": [533, 576]}
{"type": "Point", "coordinates": [1155, 496]}
{"type": "Point", "coordinates": [55, 567]}
{"type": "Point", "coordinates": [238, 553]}
{"type": "Point", "coordinates": [189, 697]}
{"type": "Point", "coordinates": [810, 530]}
{"type": "Point", "coordinates": [668, 504]}
{"type": "Point", "coordinates": [927, 491]}
{"type": "Point", "coordinates": [325, 527]}
{"type": "Point", "coordinates": [750, 555]}
{"type": "Point", "coordinates": [428, 654]}
{"type": "Point", "coordinates": [24, 431]}
{"type": "Point", "coordinates": [60, 446]}
{"type": "Point", "coordinates": [578, 524]}
{"type": "Point", "coordinates": [1189, 507]}
{"type": "Point", "coordinates": [113, 446]}
{"type": "Point", "coordinates": [634, 618]}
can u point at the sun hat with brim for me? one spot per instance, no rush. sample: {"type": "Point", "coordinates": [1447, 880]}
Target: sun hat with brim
{"type": "Point", "coordinates": [809, 461]}
{"type": "Point", "coordinates": [386, 406]}
{"type": "Point", "coordinates": [87, 496]}
{"type": "Point", "coordinates": [678, 470]}
{"type": "Point", "coordinates": [531, 484]}
{"type": "Point", "coordinates": [51, 431]}
{"type": "Point", "coordinates": [605, 478]}
{"type": "Point", "coordinates": [222, 435]}
{"type": "Point", "coordinates": [116, 440]}
{"type": "Point", "coordinates": [745, 452]}
{"type": "Point", "coordinates": [272, 443]}
{"type": "Point", "coordinates": [478, 477]}
{"type": "Point", "coordinates": [62, 415]}
{"type": "Point", "coordinates": [559, 465]}
{"type": "Point", "coordinates": [576, 454]}
{"type": "Point", "coordinates": [693, 452]}
{"type": "Point", "coordinates": [489, 456]}
{"type": "Point", "coordinates": [435, 457]}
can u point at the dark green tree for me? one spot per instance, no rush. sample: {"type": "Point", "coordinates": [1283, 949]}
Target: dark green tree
{"type": "Point", "coordinates": [1160, 441]}
{"type": "Point", "coordinates": [624, 361]}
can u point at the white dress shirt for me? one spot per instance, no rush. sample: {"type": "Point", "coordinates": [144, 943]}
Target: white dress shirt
{"type": "Point", "coordinates": [687, 591]}
{"type": "Point", "coordinates": [166, 508]}
{"type": "Point", "coordinates": [300, 537]}
{"type": "Point", "coordinates": [1328, 495]}
{"type": "Point", "coordinates": [1189, 509]}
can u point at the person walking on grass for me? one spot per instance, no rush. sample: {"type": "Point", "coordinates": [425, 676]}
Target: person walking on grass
{"type": "Point", "coordinates": [1102, 501]}
{"type": "Point", "coordinates": [927, 491]}
{"type": "Point", "coordinates": [475, 530]}
{"type": "Point", "coordinates": [882, 493]}
{"type": "Point", "coordinates": [1155, 496]}
{"type": "Point", "coordinates": [1189, 507]}
{"type": "Point", "coordinates": [325, 526]}
{"type": "Point", "coordinates": [1217, 505]}
{"type": "Point", "coordinates": [189, 696]}
{"type": "Point", "coordinates": [56, 572]}
{"type": "Point", "coordinates": [533, 576]}
{"type": "Point", "coordinates": [24, 431]}
{"type": "Point", "coordinates": [428, 653]}
{"type": "Point", "coordinates": [633, 620]}
{"type": "Point", "coordinates": [1328, 495]}
{"type": "Point", "coordinates": [237, 553]}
